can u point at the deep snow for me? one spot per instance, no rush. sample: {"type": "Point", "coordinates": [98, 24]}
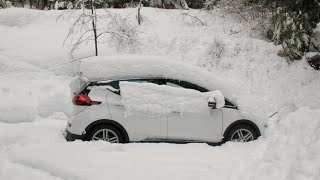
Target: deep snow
{"type": "Point", "coordinates": [35, 72]}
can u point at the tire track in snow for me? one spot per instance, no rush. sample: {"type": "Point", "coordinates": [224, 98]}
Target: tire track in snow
{"type": "Point", "coordinates": [57, 173]}
{"type": "Point", "coordinates": [14, 170]}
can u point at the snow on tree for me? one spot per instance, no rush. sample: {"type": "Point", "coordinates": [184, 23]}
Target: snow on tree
{"type": "Point", "coordinates": [60, 5]}
{"type": "Point", "coordinates": [169, 4]}
{"type": "Point", "coordinates": [2, 4]}
{"type": "Point", "coordinates": [70, 5]}
{"type": "Point", "coordinates": [90, 26]}
{"type": "Point", "coordinates": [292, 21]}
{"type": "Point", "coordinates": [294, 26]}
{"type": "Point", "coordinates": [6, 4]}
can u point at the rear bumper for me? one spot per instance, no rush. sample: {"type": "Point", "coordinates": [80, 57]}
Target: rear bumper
{"type": "Point", "coordinates": [71, 137]}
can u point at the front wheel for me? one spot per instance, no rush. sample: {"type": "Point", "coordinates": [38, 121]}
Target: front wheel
{"type": "Point", "coordinates": [241, 133]}
{"type": "Point", "coordinates": [105, 133]}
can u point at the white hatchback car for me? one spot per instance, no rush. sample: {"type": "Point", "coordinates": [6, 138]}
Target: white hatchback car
{"type": "Point", "coordinates": [100, 115]}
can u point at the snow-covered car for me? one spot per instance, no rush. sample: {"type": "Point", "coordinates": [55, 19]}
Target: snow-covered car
{"type": "Point", "coordinates": [133, 99]}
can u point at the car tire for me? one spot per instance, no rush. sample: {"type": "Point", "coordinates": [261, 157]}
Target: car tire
{"type": "Point", "coordinates": [241, 133]}
{"type": "Point", "coordinates": [107, 133]}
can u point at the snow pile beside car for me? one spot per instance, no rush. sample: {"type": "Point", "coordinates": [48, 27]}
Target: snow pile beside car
{"type": "Point", "coordinates": [28, 91]}
{"type": "Point", "coordinates": [290, 150]}
{"type": "Point", "coordinates": [34, 72]}
{"type": "Point", "coordinates": [162, 99]}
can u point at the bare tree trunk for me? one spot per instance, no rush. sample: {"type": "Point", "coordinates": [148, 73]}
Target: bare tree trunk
{"type": "Point", "coordinates": [45, 3]}
{"type": "Point", "coordinates": [93, 12]}
{"type": "Point", "coordinates": [22, 2]}
{"type": "Point", "coordinates": [30, 3]}
{"type": "Point", "coordinates": [38, 4]}
{"type": "Point", "coordinates": [139, 15]}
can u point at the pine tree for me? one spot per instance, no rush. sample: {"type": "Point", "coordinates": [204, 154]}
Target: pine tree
{"type": "Point", "coordinates": [2, 4]}
{"type": "Point", "coordinates": [294, 24]}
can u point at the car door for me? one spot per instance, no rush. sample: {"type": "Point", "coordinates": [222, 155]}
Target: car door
{"type": "Point", "coordinates": [140, 126]}
{"type": "Point", "coordinates": [202, 125]}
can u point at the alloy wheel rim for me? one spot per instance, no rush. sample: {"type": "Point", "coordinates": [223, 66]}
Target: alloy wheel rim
{"type": "Point", "coordinates": [105, 135]}
{"type": "Point", "coordinates": [242, 135]}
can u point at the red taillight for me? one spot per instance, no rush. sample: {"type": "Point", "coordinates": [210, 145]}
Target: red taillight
{"type": "Point", "coordinates": [83, 100]}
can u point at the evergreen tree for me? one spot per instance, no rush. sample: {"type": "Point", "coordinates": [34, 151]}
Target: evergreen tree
{"type": "Point", "coordinates": [2, 4]}
{"type": "Point", "coordinates": [294, 24]}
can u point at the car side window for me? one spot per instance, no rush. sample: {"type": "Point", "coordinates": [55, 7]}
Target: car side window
{"type": "Point", "coordinates": [184, 84]}
{"type": "Point", "coordinates": [112, 86]}
{"type": "Point", "coordinates": [154, 81]}
{"type": "Point", "coordinates": [116, 84]}
{"type": "Point", "coordinates": [187, 85]}
{"type": "Point", "coordinates": [173, 85]}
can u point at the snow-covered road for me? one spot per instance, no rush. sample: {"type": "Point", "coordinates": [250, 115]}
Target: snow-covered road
{"type": "Point", "coordinates": [34, 93]}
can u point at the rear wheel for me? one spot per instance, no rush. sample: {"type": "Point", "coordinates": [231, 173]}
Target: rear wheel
{"type": "Point", "coordinates": [105, 133]}
{"type": "Point", "coordinates": [241, 133]}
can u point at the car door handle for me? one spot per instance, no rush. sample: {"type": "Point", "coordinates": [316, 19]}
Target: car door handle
{"type": "Point", "coordinates": [176, 112]}
{"type": "Point", "coordinates": [119, 105]}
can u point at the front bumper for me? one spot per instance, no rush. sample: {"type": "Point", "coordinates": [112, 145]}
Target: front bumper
{"type": "Point", "coordinates": [71, 137]}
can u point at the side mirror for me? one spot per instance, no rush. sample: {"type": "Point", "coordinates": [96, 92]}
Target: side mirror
{"type": "Point", "coordinates": [212, 105]}
{"type": "Point", "coordinates": [216, 100]}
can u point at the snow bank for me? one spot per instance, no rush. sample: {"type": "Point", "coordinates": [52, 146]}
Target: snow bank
{"type": "Point", "coordinates": [34, 68]}
{"type": "Point", "coordinates": [28, 91]}
{"type": "Point", "coordinates": [161, 99]}
{"type": "Point", "coordinates": [18, 17]}
{"type": "Point", "coordinates": [291, 149]}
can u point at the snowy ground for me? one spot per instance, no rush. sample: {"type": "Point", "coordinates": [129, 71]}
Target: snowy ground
{"type": "Point", "coordinates": [35, 73]}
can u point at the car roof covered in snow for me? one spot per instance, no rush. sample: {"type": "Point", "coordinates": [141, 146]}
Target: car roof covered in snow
{"type": "Point", "coordinates": [124, 67]}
